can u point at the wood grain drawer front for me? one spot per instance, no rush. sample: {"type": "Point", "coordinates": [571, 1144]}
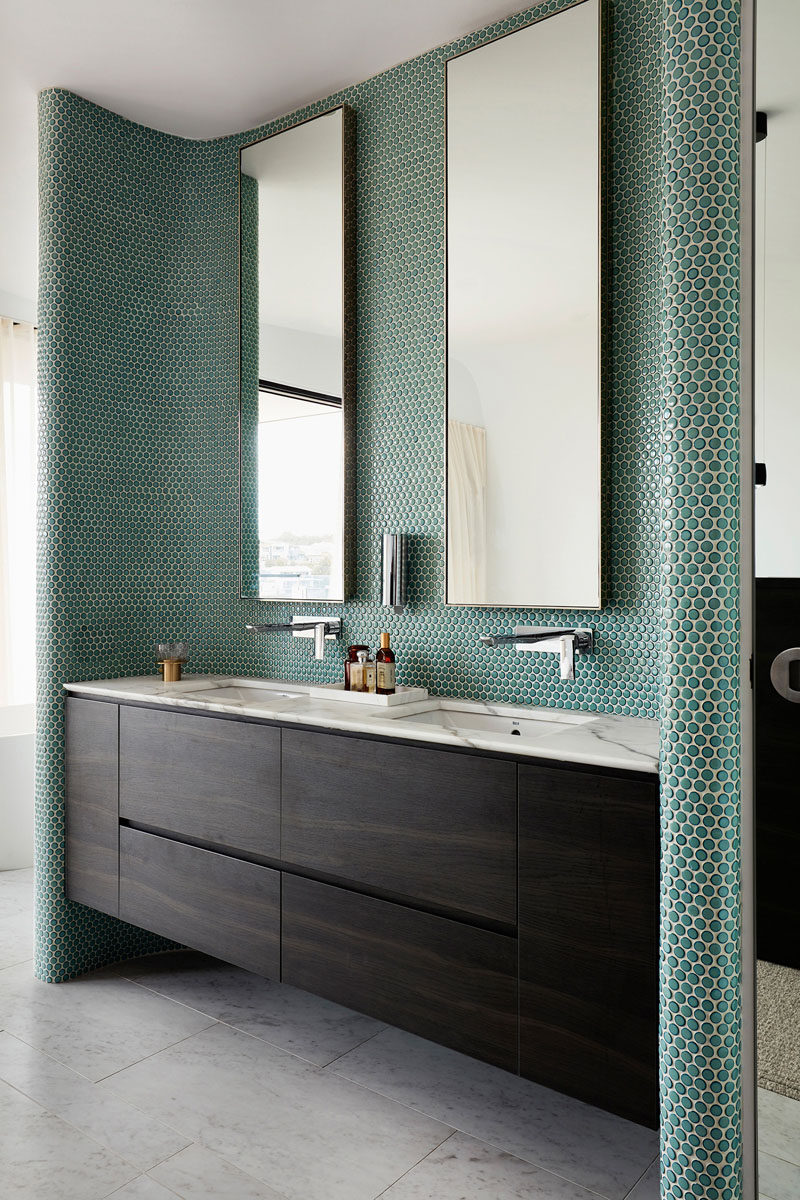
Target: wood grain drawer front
{"type": "Point", "coordinates": [588, 929]}
{"type": "Point", "coordinates": [433, 976]}
{"type": "Point", "coordinates": [223, 906]}
{"type": "Point", "coordinates": [434, 827]}
{"type": "Point", "coordinates": [202, 777]}
{"type": "Point", "coordinates": [92, 811]}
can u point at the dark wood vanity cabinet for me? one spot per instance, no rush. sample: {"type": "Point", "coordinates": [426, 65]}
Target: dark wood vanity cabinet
{"type": "Point", "coordinates": [440, 978]}
{"type": "Point", "coordinates": [215, 780]}
{"type": "Point", "coordinates": [588, 937]}
{"type": "Point", "coordinates": [437, 829]}
{"type": "Point", "coordinates": [502, 907]}
{"type": "Point", "coordinates": [221, 905]}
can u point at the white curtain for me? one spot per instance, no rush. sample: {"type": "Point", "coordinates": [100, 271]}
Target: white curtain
{"type": "Point", "coordinates": [466, 513]}
{"type": "Point", "coordinates": [17, 511]}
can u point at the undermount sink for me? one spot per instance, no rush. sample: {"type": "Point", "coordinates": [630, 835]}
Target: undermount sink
{"type": "Point", "coordinates": [464, 718]}
{"type": "Point", "coordinates": [246, 691]}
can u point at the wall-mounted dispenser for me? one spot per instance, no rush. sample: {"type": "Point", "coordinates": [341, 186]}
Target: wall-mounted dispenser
{"type": "Point", "coordinates": [395, 569]}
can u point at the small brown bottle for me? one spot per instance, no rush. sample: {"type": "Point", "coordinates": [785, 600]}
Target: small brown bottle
{"type": "Point", "coordinates": [385, 666]}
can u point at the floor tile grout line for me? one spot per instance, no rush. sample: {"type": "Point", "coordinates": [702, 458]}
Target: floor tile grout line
{"type": "Point", "coordinates": [85, 1132]}
{"type": "Point", "coordinates": [48, 1112]}
{"type": "Point", "coordinates": [221, 1021]}
{"type": "Point", "coordinates": [641, 1177]}
{"type": "Point", "coordinates": [258, 1037]}
{"type": "Point", "coordinates": [142, 1175]}
{"type": "Point", "coordinates": [414, 1166]}
{"type": "Point", "coordinates": [358, 1046]}
{"type": "Point", "coordinates": [235, 1166]}
{"type": "Point", "coordinates": [501, 1149]}
{"type": "Point", "coordinates": [790, 1162]}
{"type": "Point", "coordinates": [169, 1046]}
{"type": "Point", "coordinates": [46, 1054]}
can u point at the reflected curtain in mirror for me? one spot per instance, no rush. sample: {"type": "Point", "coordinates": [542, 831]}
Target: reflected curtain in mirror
{"type": "Point", "coordinates": [466, 530]}
{"type": "Point", "coordinates": [523, 314]}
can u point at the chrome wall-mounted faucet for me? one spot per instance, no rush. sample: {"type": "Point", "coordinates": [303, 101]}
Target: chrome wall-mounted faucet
{"type": "Point", "coordinates": [319, 628]}
{"type": "Point", "coordinates": [563, 642]}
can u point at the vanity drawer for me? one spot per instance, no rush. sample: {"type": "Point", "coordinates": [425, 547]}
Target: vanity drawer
{"type": "Point", "coordinates": [220, 905]}
{"type": "Point", "coordinates": [432, 827]}
{"type": "Point", "coordinates": [435, 977]}
{"type": "Point", "coordinates": [202, 777]}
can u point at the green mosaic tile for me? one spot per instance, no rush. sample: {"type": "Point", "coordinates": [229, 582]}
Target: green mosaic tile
{"type": "Point", "coordinates": [700, 860]}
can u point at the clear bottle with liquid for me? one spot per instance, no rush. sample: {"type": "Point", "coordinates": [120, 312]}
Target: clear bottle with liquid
{"type": "Point", "coordinates": [362, 673]}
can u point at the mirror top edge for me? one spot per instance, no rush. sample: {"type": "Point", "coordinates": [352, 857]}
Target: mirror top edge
{"type": "Point", "coordinates": [346, 111]}
{"type": "Point", "coordinates": [535, 20]}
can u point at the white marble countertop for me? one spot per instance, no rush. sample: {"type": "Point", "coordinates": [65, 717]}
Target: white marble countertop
{"type": "Point", "coordinates": [566, 735]}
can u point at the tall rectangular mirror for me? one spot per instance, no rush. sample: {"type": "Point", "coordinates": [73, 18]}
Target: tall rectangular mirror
{"type": "Point", "coordinates": [523, 317]}
{"type": "Point", "coordinates": [295, 413]}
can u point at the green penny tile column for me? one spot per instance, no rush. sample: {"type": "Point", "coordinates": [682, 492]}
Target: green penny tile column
{"type": "Point", "coordinates": [700, 958]}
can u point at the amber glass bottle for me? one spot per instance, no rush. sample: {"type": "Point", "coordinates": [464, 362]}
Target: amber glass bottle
{"type": "Point", "coordinates": [384, 662]}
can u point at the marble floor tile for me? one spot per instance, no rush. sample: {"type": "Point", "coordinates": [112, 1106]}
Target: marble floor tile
{"type": "Point", "coordinates": [143, 1188]}
{"type": "Point", "coordinates": [43, 1156]}
{"type": "Point", "coordinates": [777, 1178]}
{"type": "Point", "coordinates": [306, 1025]}
{"type": "Point", "coordinates": [199, 1174]}
{"type": "Point", "coordinates": [110, 1121]}
{"type": "Point", "coordinates": [16, 892]}
{"type": "Point", "coordinates": [96, 1024]}
{"type": "Point", "coordinates": [779, 1126]}
{"type": "Point", "coordinates": [601, 1152]}
{"type": "Point", "coordinates": [307, 1133]}
{"type": "Point", "coordinates": [648, 1187]}
{"type": "Point", "coordinates": [16, 939]}
{"type": "Point", "coordinates": [463, 1166]}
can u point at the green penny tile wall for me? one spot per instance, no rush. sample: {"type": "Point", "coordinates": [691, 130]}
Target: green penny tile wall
{"type": "Point", "coordinates": [700, 927]}
{"type": "Point", "coordinates": [139, 380]}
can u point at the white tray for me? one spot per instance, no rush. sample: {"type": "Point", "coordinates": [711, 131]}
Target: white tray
{"type": "Point", "coordinates": [335, 691]}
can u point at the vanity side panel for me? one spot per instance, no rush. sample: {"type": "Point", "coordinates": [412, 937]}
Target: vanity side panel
{"type": "Point", "coordinates": [435, 827]}
{"type": "Point", "coordinates": [201, 777]}
{"type": "Point", "coordinates": [92, 804]}
{"type": "Point", "coordinates": [432, 976]}
{"type": "Point", "coordinates": [588, 937]}
{"type": "Point", "coordinates": [212, 902]}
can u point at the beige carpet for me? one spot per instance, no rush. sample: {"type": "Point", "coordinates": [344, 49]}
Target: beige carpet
{"type": "Point", "coordinates": [779, 1029]}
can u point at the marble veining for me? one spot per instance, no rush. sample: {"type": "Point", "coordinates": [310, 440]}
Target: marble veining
{"type": "Point", "coordinates": [567, 735]}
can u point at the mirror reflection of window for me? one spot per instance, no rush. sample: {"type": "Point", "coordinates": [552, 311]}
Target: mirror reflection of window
{"type": "Point", "coordinates": [300, 533]}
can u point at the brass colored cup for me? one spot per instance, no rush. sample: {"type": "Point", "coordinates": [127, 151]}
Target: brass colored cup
{"type": "Point", "coordinates": [171, 669]}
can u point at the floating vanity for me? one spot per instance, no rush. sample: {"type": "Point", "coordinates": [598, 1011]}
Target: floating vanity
{"type": "Point", "coordinates": [485, 876]}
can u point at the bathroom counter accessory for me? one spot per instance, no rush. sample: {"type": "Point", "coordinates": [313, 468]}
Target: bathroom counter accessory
{"type": "Point", "coordinates": [563, 735]}
{"type": "Point", "coordinates": [336, 691]}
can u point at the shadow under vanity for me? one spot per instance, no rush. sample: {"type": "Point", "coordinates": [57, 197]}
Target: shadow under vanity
{"type": "Point", "coordinates": [500, 904]}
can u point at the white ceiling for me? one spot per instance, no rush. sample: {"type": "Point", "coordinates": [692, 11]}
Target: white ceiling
{"type": "Point", "coordinates": [198, 68]}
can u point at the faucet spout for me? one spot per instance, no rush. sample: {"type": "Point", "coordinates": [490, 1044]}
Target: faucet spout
{"type": "Point", "coordinates": [563, 642]}
{"type": "Point", "coordinates": [319, 628]}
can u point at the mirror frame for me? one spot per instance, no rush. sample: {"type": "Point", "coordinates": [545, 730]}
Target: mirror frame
{"type": "Point", "coordinates": [602, 316]}
{"type": "Point", "coordinates": [348, 352]}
